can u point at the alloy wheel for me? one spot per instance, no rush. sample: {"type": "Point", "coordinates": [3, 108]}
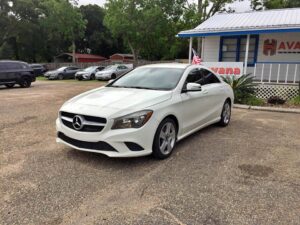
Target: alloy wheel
{"type": "Point", "coordinates": [167, 138]}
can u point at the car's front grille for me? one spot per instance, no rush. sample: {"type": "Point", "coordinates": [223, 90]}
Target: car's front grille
{"type": "Point", "coordinates": [101, 145]}
{"type": "Point", "coordinates": [89, 123]}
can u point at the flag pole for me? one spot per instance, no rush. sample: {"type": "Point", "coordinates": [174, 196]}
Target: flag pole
{"type": "Point", "coordinates": [190, 50]}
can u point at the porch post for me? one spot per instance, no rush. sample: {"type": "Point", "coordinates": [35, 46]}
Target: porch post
{"type": "Point", "coordinates": [246, 54]}
{"type": "Point", "coordinates": [190, 50]}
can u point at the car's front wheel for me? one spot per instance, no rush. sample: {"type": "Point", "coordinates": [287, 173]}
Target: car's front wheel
{"type": "Point", "coordinates": [9, 85]}
{"type": "Point", "coordinates": [164, 139]}
{"type": "Point", "coordinates": [92, 77]}
{"type": "Point", "coordinates": [226, 114]}
{"type": "Point", "coordinates": [60, 77]}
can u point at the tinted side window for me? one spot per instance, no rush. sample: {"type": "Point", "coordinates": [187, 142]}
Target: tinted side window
{"type": "Point", "coordinates": [209, 77]}
{"type": "Point", "coordinates": [195, 76]}
{"type": "Point", "coordinates": [13, 66]}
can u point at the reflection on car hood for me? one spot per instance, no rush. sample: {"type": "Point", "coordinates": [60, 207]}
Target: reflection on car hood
{"type": "Point", "coordinates": [111, 102]}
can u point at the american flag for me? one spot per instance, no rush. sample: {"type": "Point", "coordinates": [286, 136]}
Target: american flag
{"type": "Point", "coordinates": [196, 59]}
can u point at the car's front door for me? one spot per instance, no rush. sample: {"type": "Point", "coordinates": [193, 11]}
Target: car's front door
{"type": "Point", "coordinates": [214, 90]}
{"type": "Point", "coordinates": [194, 104]}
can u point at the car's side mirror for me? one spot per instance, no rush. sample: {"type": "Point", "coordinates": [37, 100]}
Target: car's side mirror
{"type": "Point", "coordinates": [190, 87]}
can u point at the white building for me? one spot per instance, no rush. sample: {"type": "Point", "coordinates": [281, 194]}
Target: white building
{"type": "Point", "coordinates": [264, 43]}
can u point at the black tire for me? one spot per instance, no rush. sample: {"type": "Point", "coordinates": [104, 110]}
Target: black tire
{"type": "Point", "coordinates": [113, 76]}
{"type": "Point", "coordinates": [92, 77]}
{"type": "Point", "coordinates": [157, 142]}
{"type": "Point", "coordinates": [25, 82]}
{"type": "Point", "coordinates": [60, 77]}
{"type": "Point", "coordinates": [9, 85]}
{"type": "Point", "coordinates": [225, 117]}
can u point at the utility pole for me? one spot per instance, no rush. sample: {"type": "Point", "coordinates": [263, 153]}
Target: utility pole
{"type": "Point", "coordinates": [199, 40]}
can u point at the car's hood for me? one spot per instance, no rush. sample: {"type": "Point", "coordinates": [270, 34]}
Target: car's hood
{"type": "Point", "coordinates": [112, 102]}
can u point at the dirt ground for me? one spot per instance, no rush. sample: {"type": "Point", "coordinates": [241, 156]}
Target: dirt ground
{"type": "Point", "coordinates": [247, 173]}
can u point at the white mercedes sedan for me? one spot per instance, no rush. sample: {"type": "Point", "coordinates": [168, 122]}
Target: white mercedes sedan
{"type": "Point", "coordinates": [145, 111]}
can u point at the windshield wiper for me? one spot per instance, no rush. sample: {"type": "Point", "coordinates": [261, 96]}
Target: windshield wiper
{"type": "Point", "coordinates": [139, 87]}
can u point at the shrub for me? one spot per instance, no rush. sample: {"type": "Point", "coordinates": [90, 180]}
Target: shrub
{"type": "Point", "coordinates": [254, 101]}
{"type": "Point", "coordinates": [276, 100]}
{"type": "Point", "coordinates": [243, 87]}
{"type": "Point", "coordinates": [295, 101]}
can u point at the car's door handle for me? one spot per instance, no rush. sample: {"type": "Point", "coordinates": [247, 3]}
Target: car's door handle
{"type": "Point", "coordinates": [205, 92]}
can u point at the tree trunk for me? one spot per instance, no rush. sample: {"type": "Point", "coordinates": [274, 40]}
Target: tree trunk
{"type": "Point", "coordinates": [134, 53]}
{"type": "Point", "coordinates": [73, 52]}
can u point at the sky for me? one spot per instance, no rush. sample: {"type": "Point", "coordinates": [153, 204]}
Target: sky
{"type": "Point", "coordinates": [238, 6]}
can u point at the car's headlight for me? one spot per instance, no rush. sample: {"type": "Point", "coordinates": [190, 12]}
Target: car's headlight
{"type": "Point", "coordinates": [134, 120]}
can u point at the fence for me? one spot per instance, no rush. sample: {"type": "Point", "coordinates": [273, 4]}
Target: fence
{"type": "Point", "coordinates": [279, 73]}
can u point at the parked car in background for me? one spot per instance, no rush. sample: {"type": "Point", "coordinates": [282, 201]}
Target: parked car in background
{"type": "Point", "coordinates": [146, 111]}
{"type": "Point", "coordinates": [16, 72]}
{"type": "Point", "coordinates": [67, 72]}
{"type": "Point", "coordinates": [38, 69]}
{"type": "Point", "coordinates": [88, 73]}
{"type": "Point", "coordinates": [114, 71]}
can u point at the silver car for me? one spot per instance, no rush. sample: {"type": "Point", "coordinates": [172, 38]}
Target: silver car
{"type": "Point", "coordinates": [88, 73]}
{"type": "Point", "coordinates": [114, 71]}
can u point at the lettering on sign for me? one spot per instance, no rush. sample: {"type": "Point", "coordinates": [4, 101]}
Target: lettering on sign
{"type": "Point", "coordinates": [273, 47]}
{"type": "Point", "coordinates": [226, 70]}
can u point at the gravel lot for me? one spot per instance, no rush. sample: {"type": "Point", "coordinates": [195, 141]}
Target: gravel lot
{"type": "Point", "coordinates": [247, 173]}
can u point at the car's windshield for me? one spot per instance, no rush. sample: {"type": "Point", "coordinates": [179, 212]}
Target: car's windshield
{"type": "Point", "coordinates": [89, 69]}
{"type": "Point", "coordinates": [150, 78]}
{"type": "Point", "coordinates": [109, 68]}
{"type": "Point", "coordinates": [62, 68]}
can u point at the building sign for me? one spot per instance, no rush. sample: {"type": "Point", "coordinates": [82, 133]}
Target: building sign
{"type": "Point", "coordinates": [225, 68]}
{"type": "Point", "coordinates": [273, 47]}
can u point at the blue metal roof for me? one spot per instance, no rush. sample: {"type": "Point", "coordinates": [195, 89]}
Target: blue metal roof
{"type": "Point", "coordinates": [254, 22]}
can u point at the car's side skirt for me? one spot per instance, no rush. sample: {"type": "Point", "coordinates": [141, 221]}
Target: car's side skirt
{"type": "Point", "coordinates": [198, 128]}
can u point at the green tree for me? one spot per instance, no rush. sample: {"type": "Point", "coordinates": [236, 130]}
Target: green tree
{"type": "Point", "coordinates": [147, 27]}
{"type": "Point", "coordinates": [63, 19]}
{"type": "Point", "coordinates": [97, 38]}
{"type": "Point", "coordinates": [274, 4]}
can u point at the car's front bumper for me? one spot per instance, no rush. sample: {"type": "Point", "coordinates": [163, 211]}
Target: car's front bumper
{"type": "Point", "coordinates": [82, 77]}
{"type": "Point", "coordinates": [116, 140]}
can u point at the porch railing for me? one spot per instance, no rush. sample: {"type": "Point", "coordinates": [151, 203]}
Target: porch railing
{"type": "Point", "coordinates": [280, 73]}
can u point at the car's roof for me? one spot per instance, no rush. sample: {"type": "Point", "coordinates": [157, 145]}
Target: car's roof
{"type": "Point", "coordinates": [12, 61]}
{"type": "Point", "coordinates": [168, 65]}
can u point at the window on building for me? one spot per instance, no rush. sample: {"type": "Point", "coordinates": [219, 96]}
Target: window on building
{"type": "Point", "coordinates": [233, 49]}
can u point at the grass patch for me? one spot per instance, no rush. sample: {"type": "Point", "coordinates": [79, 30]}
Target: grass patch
{"type": "Point", "coordinates": [70, 80]}
{"type": "Point", "coordinates": [253, 101]}
{"type": "Point", "coordinates": [295, 101]}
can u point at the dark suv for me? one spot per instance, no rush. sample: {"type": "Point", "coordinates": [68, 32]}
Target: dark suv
{"type": "Point", "coordinates": [16, 72]}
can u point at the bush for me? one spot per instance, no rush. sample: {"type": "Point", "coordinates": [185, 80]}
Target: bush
{"type": "Point", "coordinates": [243, 87]}
{"type": "Point", "coordinates": [295, 101]}
{"type": "Point", "coordinates": [254, 101]}
{"type": "Point", "coordinates": [276, 100]}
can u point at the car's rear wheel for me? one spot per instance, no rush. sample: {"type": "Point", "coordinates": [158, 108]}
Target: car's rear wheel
{"type": "Point", "coordinates": [165, 139]}
{"type": "Point", "coordinates": [9, 85]}
{"type": "Point", "coordinates": [92, 77]}
{"type": "Point", "coordinates": [60, 77]}
{"type": "Point", "coordinates": [226, 114]}
{"type": "Point", "coordinates": [113, 76]}
{"type": "Point", "coordinates": [25, 82]}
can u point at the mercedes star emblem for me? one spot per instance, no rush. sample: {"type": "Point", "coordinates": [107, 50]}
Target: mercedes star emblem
{"type": "Point", "coordinates": [77, 122]}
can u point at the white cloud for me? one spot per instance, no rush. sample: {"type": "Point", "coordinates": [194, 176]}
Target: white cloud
{"type": "Point", "coordinates": [86, 2]}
